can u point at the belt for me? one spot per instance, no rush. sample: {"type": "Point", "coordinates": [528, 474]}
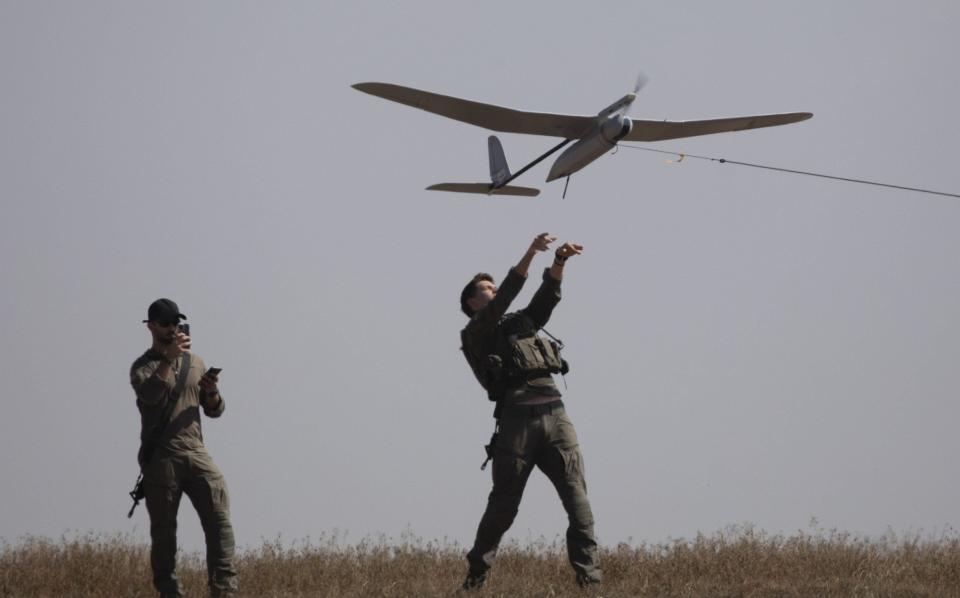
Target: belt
{"type": "Point", "coordinates": [532, 410]}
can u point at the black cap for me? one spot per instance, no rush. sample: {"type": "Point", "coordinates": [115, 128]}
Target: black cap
{"type": "Point", "coordinates": [164, 310]}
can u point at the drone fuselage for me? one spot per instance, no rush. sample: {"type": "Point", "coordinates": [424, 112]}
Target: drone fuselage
{"type": "Point", "coordinates": [604, 137]}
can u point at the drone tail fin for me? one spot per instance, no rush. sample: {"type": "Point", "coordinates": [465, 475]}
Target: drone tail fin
{"type": "Point", "coordinates": [499, 171]}
{"type": "Point", "coordinates": [499, 177]}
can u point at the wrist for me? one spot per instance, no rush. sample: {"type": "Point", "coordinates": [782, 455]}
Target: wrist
{"type": "Point", "coordinates": [559, 259]}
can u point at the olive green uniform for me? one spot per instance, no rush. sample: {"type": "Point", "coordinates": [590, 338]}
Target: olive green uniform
{"type": "Point", "coordinates": [528, 435]}
{"type": "Point", "coordinates": [180, 464]}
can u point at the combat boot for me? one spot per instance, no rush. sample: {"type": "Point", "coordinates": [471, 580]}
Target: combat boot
{"type": "Point", "coordinates": [472, 582]}
{"type": "Point", "coordinates": [590, 587]}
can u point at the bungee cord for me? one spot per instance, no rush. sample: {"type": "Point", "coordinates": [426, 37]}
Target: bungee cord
{"type": "Point", "coordinates": [682, 155]}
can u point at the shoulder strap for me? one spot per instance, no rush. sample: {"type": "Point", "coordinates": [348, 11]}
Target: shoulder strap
{"type": "Point", "coordinates": [174, 396]}
{"type": "Point", "coordinates": [157, 432]}
{"type": "Point", "coordinates": [555, 339]}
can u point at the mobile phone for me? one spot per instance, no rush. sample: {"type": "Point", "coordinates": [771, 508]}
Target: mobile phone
{"type": "Point", "coordinates": [213, 371]}
{"type": "Point", "coordinates": [184, 328]}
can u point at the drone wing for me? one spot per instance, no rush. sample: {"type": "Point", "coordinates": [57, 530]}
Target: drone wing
{"type": "Point", "coordinates": [658, 130]}
{"type": "Point", "coordinates": [488, 116]}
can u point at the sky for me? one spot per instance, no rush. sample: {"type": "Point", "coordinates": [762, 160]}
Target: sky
{"type": "Point", "coordinates": [746, 346]}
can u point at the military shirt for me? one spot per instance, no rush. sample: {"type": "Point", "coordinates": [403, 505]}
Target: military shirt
{"type": "Point", "coordinates": [479, 337]}
{"type": "Point", "coordinates": [182, 433]}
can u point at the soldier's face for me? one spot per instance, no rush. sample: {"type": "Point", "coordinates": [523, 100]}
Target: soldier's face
{"type": "Point", "coordinates": [485, 292]}
{"type": "Point", "coordinates": [163, 332]}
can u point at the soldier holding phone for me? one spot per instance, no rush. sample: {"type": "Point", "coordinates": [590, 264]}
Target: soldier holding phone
{"type": "Point", "coordinates": [172, 386]}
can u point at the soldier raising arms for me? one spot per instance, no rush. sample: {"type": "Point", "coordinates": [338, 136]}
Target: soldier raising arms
{"type": "Point", "coordinates": [515, 365]}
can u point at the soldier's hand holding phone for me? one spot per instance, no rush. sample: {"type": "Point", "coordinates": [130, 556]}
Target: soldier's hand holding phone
{"type": "Point", "coordinates": [181, 342]}
{"type": "Point", "coordinates": [208, 382]}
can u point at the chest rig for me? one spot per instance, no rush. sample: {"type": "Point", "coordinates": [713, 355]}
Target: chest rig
{"type": "Point", "coordinates": [516, 354]}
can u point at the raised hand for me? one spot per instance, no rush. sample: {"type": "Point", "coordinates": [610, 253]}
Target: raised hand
{"type": "Point", "coordinates": [568, 250]}
{"type": "Point", "coordinates": [542, 242]}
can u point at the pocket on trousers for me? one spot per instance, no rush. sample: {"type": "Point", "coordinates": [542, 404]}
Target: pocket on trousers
{"type": "Point", "coordinates": [564, 434]}
{"type": "Point", "coordinates": [219, 497]}
{"type": "Point", "coordinates": [573, 469]}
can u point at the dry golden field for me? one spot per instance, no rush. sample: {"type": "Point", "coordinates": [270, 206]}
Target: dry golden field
{"type": "Point", "coordinates": [736, 562]}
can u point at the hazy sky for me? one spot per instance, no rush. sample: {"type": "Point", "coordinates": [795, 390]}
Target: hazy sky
{"type": "Point", "coordinates": [746, 346]}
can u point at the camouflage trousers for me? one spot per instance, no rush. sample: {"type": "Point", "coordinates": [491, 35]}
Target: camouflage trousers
{"type": "Point", "coordinates": [541, 436]}
{"type": "Point", "coordinates": [166, 478]}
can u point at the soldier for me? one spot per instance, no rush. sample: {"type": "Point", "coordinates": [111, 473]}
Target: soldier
{"type": "Point", "coordinates": [172, 386]}
{"type": "Point", "coordinates": [515, 364]}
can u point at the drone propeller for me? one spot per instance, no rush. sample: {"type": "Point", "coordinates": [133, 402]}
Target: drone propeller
{"type": "Point", "coordinates": [642, 80]}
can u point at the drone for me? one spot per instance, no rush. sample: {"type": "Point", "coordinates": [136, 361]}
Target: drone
{"type": "Point", "coordinates": [590, 136]}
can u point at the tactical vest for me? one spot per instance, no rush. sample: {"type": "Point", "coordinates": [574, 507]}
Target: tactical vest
{"type": "Point", "coordinates": [519, 354]}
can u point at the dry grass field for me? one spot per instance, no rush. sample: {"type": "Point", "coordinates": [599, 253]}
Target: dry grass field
{"type": "Point", "coordinates": [737, 562]}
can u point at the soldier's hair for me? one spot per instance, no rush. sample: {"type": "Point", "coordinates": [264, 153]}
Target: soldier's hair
{"type": "Point", "coordinates": [471, 289]}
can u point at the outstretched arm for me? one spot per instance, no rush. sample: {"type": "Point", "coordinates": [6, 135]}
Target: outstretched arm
{"type": "Point", "coordinates": [541, 243]}
{"type": "Point", "coordinates": [491, 313]}
{"type": "Point", "coordinates": [548, 295]}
